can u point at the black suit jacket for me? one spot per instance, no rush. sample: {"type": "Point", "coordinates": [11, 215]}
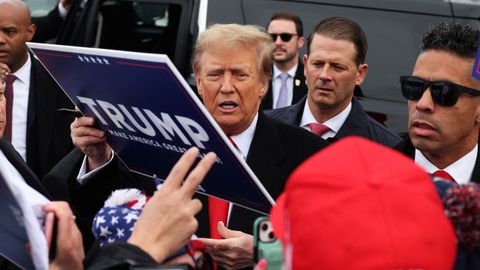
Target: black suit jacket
{"type": "Point", "coordinates": [16, 160]}
{"type": "Point", "coordinates": [87, 199]}
{"type": "Point", "coordinates": [275, 152]}
{"type": "Point", "coordinates": [47, 26]}
{"type": "Point", "coordinates": [406, 147]}
{"type": "Point", "coordinates": [48, 132]}
{"type": "Point", "coordinates": [358, 123]}
{"type": "Point", "coordinates": [299, 91]}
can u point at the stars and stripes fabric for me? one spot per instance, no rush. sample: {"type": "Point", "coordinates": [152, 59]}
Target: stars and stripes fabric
{"type": "Point", "coordinates": [115, 221]}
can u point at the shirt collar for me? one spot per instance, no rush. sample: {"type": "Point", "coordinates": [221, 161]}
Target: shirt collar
{"type": "Point", "coordinates": [291, 72]}
{"type": "Point", "coordinates": [334, 123]}
{"type": "Point", "coordinates": [244, 139]}
{"type": "Point", "coordinates": [23, 73]}
{"type": "Point", "coordinates": [461, 170]}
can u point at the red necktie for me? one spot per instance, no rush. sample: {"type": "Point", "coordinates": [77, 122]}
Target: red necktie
{"type": "Point", "coordinates": [9, 99]}
{"type": "Point", "coordinates": [444, 175]}
{"type": "Point", "coordinates": [218, 210]}
{"type": "Point", "coordinates": [318, 128]}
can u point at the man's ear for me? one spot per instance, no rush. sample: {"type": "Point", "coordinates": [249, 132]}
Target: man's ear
{"type": "Point", "coordinates": [31, 31]}
{"type": "Point", "coordinates": [263, 88]}
{"type": "Point", "coordinates": [300, 42]}
{"type": "Point", "coordinates": [361, 73]}
{"type": "Point", "coordinates": [305, 62]}
{"type": "Point", "coordinates": [198, 84]}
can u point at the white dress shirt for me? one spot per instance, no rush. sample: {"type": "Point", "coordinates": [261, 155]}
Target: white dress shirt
{"type": "Point", "coordinates": [277, 85]}
{"type": "Point", "coordinates": [21, 88]}
{"type": "Point", "coordinates": [334, 123]}
{"type": "Point", "coordinates": [461, 170]}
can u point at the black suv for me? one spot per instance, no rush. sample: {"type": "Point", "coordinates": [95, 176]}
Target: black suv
{"type": "Point", "coordinates": [393, 28]}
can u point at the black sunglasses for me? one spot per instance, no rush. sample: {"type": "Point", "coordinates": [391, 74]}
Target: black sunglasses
{"type": "Point", "coordinates": [285, 37]}
{"type": "Point", "coordinates": [444, 93]}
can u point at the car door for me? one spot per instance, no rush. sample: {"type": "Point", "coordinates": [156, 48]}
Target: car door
{"type": "Point", "coordinates": [153, 26]}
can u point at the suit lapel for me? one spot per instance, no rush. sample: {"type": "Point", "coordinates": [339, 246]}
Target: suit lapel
{"type": "Point", "coordinates": [16, 160]}
{"type": "Point", "coordinates": [41, 109]}
{"type": "Point", "coordinates": [299, 87]}
{"type": "Point", "coordinates": [266, 153]}
{"type": "Point", "coordinates": [476, 170]}
{"type": "Point", "coordinates": [267, 102]}
{"type": "Point", "coordinates": [355, 123]}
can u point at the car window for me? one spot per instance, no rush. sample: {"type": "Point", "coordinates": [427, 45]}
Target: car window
{"type": "Point", "coordinates": [138, 26]}
{"type": "Point", "coordinates": [39, 8]}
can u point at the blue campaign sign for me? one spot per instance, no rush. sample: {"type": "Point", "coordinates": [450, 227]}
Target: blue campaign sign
{"type": "Point", "coordinates": [14, 242]}
{"type": "Point", "coordinates": [476, 66]}
{"type": "Point", "coordinates": [151, 116]}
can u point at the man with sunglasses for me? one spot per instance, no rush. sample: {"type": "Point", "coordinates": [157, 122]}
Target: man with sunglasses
{"type": "Point", "coordinates": [444, 104]}
{"type": "Point", "coordinates": [287, 85]}
{"type": "Point", "coordinates": [334, 67]}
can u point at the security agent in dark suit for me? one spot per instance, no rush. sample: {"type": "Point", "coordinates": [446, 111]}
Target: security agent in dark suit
{"type": "Point", "coordinates": [286, 30]}
{"type": "Point", "coordinates": [231, 86]}
{"type": "Point", "coordinates": [358, 123]}
{"type": "Point", "coordinates": [443, 127]}
{"type": "Point", "coordinates": [48, 26]}
{"type": "Point", "coordinates": [334, 67]}
{"type": "Point", "coordinates": [39, 133]}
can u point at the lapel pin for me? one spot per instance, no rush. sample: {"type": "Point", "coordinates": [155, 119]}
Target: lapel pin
{"type": "Point", "coordinates": [297, 82]}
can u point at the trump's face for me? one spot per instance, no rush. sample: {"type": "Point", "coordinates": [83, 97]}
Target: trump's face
{"type": "Point", "coordinates": [231, 86]}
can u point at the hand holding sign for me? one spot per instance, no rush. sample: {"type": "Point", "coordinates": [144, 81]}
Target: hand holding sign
{"type": "Point", "coordinates": [91, 141]}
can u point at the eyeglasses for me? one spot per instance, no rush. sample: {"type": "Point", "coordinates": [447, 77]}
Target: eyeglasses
{"type": "Point", "coordinates": [285, 37]}
{"type": "Point", "coordinates": [443, 93]}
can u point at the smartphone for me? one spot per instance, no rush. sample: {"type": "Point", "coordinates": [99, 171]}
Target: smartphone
{"type": "Point", "coordinates": [51, 223]}
{"type": "Point", "coordinates": [266, 245]}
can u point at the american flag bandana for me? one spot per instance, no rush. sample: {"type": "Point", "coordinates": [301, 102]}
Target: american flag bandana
{"type": "Point", "coordinates": [115, 221]}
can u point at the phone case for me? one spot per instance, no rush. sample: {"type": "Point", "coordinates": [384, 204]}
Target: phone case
{"type": "Point", "coordinates": [266, 245]}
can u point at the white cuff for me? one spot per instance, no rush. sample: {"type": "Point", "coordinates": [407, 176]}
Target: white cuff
{"type": "Point", "coordinates": [83, 176]}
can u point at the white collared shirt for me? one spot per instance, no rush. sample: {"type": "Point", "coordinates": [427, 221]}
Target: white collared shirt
{"type": "Point", "coordinates": [461, 170]}
{"type": "Point", "coordinates": [21, 88]}
{"type": "Point", "coordinates": [277, 84]}
{"type": "Point", "coordinates": [334, 123]}
{"type": "Point", "coordinates": [244, 139]}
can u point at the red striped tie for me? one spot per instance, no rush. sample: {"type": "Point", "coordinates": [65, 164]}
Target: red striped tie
{"type": "Point", "coordinates": [218, 210]}
{"type": "Point", "coordinates": [318, 128]}
{"type": "Point", "coordinates": [444, 175]}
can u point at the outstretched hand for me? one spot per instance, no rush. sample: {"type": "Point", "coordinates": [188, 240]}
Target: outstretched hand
{"type": "Point", "coordinates": [168, 219]}
{"type": "Point", "coordinates": [233, 252]}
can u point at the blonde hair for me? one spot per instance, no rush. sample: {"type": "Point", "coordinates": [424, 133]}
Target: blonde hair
{"type": "Point", "coordinates": [226, 35]}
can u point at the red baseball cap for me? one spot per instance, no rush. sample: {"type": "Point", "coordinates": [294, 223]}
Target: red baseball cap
{"type": "Point", "coordinates": [361, 205]}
